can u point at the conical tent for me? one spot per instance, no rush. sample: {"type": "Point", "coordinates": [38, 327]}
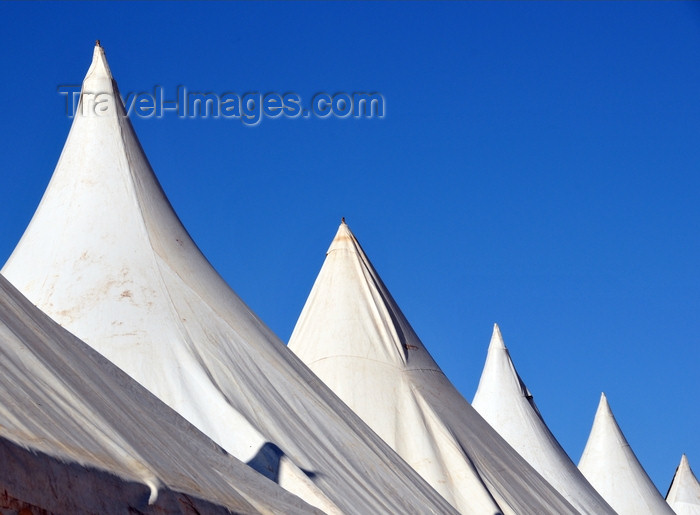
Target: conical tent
{"type": "Point", "coordinates": [106, 256]}
{"type": "Point", "coordinates": [505, 402]}
{"type": "Point", "coordinates": [354, 336]}
{"type": "Point", "coordinates": [684, 493]}
{"type": "Point", "coordinates": [77, 435]}
{"type": "Point", "coordinates": [610, 465]}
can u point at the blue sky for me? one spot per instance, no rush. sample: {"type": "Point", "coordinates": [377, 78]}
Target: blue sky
{"type": "Point", "coordinates": [537, 167]}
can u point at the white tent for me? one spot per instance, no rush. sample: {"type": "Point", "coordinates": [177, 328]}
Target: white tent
{"type": "Point", "coordinates": [106, 256]}
{"type": "Point", "coordinates": [354, 336]}
{"type": "Point", "coordinates": [77, 435]}
{"type": "Point", "coordinates": [610, 465]}
{"type": "Point", "coordinates": [684, 494]}
{"type": "Point", "coordinates": [505, 402]}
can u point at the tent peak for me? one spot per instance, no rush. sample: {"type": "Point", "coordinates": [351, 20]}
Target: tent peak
{"type": "Point", "coordinates": [343, 239]}
{"type": "Point", "coordinates": [506, 403]}
{"type": "Point", "coordinates": [354, 337]}
{"type": "Point", "coordinates": [99, 77]}
{"type": "Point", "coordinates": [610, 465]}
{"type": "Point", "coordinates": [497, 339]}
{"type": "Point", "coordinates": [684, 493]}
{"type": "Point", "coordinates": [604, 406]}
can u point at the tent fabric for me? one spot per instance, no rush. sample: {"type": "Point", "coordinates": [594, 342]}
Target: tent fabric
{"type": "Point", "coordinates": [77, 435]}
{"type": "Point", "coordinates": [353, 335]}
{"type": "Point", "coordinates": [505, 402]}
{"type": "Point", "coordinates": [684, 493]}
{"type": "Point", "coordinates": [611, 466]}
{"type": "Point", "coordinates": [106, 256]}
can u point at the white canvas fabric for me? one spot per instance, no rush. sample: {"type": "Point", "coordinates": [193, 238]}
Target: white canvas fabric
{"type": "Point", "coordinates": [684, 493]}
{"type": "Point", "coordinates": [353, 335]}
{"type": "Point", "coordinates": [77, 435]}
{"type": "Point", "coordinates": [106, 256]}
{"type": "Point", "coordinates": [505, 402]}
{"type": "Point", "coordinates": [610, 465]}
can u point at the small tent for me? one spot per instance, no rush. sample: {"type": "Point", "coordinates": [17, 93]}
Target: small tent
{"type": "Point", "coordinates": [353, 335]}
{"type": "Point", "coordinates": [505, 402]}
{"type": "Point", "coordinates": [611, 466]}
{"type": "Point", "coordinates": [77, 435]}
{"type": "Point", "coordinates": [106, 256]}
{"type": "Point", "coordinates": [684, 493]}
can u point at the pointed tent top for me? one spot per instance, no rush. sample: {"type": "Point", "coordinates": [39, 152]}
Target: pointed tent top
{"type": "Point", "coordinates": [604, 410]}
{"type": "Point", "coordinates": [605, 424]}
{"type": "Point", "coordinates": [610, 465]}
{"type": "Point", "coordinates": [683, 467]}
{"type": "Point", "coordinates": [684, 462]}
{"type": "Point", "coordinates": [393, 339]}
{"type": "Point", "coordinates": [497, 338]}
{"type": "Point", "coordinates": [99, 64]}
{"type": "Point", "coordinates": [498, 376]}
{"type": "Point", "coordinates": [504, 400]}
{"type": "Point", "coordinates": [684, 493]}
{"type": "Point", "coordinates": [353, 335]}
{"type": "Point", "coordinates": [98, 79]}
{"type": "Point", "coordinates": [344, 239]}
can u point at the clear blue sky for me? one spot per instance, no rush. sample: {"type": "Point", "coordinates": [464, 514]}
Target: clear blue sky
{"type": "Point", "coordinates": [537, 167]}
